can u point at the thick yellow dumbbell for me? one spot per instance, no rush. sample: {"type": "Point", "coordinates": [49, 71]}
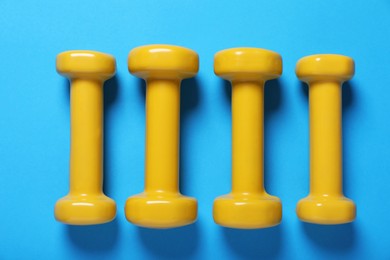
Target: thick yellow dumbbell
{"type": "Point", "coordinates": [86, 204]}
{"type": "Point", "coordinates": [248, 205]}
{"type": "Point", "coordinates": [326, 203]}
{"type": "Point", "coordinates": [161, 205]}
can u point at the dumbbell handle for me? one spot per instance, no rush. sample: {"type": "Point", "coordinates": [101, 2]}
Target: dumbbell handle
{"type": "Point", "coordinates": [86, 156]}
{"type": "Point", "coordinates": [247, 132]}
{"type": "Point", "coordinates": [325, 138]}
{"type": "Point", "coordinates": [162, 135]}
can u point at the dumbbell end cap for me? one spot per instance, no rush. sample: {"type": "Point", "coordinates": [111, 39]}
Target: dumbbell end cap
{"type": "Point", "coordinates": [85, 210]}
{"type": "Point", "coordinates": [247, 212]}
{"type": "Point", "coordinates": [85, 64]}
{"type": "Point", "coordinates": [163, 61]}
{"type": "Point", "coordinates": [325, 210]}
{"type": "Point", "coordinates": [247, 63]}
{"type": "Point", "coordinates": [161, 210]}
{"type": "Point", "coordinates": [325, 67]}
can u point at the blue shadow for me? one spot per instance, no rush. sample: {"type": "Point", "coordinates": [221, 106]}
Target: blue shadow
{"type": "Point", "coordinates": [272, 103]}
{"type": "Point", "coordinates": [111, 89]}
{"type": "Point", "coordinates": [189, 100]}
{"type": "Point", "coordinates": [348, 99]}
{"type": "Point", "coordinates": [331, 237]}
{"type": "Point", "coordinates": [95, 238]}
{"type": "Point", "coordinates": [171, 243]}
{"type": "Point", "coordinates": [255, 243]}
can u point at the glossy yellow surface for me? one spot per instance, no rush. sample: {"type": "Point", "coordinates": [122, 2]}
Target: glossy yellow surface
{"type": "Point", "coordinates": [161, 205]}
{"type": "Point", "coordinates": [326, 203]}
{"type": "Point", "coordinates": [248, 206]}
{"type": "Point", "coordinates": [86, 204]}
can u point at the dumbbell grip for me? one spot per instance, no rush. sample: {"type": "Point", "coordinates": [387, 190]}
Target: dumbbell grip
{"type": "Point", "coordinates": [247, 136]}
{"type": "Point", "coordinates": [86, 156]}
{"type": "Point", "coordinates": [162, 135]}
{"type": "Point", "coordinates": [325, 138]}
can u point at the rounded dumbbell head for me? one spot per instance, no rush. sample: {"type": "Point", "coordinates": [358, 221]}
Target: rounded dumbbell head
{"type": "Point", "coordinates": [155, 210]}
{"type": "Point", "coordinates": [326, 210]}
{"type": "Point", "coordinates": [163, 61]}
{"type": "Point", "coordinates": [325, 67]}
{"type": "Point", "coordinates": [86, 64]}
{"type": "Point", "coordinates": [85, 210]}
{"type": "Point", "coordinates": [247, 212]}
{"type": "Point", "coordinates": [248, 64]}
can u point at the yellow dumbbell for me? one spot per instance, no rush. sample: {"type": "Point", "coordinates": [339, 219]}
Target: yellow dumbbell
{"type": "Point", "coordinates": [248, 205]}
{"type": "Point", "coordinates": [161, 205]}
{"type": "Point", "coordinates": [86, 204]}
{"type": "Point", "coordinates": [326, 203]}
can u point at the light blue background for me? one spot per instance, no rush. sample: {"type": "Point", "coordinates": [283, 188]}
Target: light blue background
{"type": "Point", "coordinates": [34, 125]}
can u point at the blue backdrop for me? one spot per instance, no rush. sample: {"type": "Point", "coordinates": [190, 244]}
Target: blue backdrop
{"type": "Point", "coordinates": [34, 125]}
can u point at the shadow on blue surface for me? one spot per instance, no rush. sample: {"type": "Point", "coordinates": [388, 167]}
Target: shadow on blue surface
{"type": "Point", "coordinates": [110, 95]}
{"type": "Point", "coordinates": [96, 238]}
{"type": "Point", "coordinates": [348, 99]}
{"type": "Point", "coordinates": [272, 102]}
{"type": "Point", "coordinates": [189, 100]}
{"type": "Point", "coordinates": [254, 243]}
{"type": "Point", "coordinates": [348, 95]}
{"type": "Point", "coordinates": [331, 237]}
{"type": "Point", "coordinates": [171, 243]}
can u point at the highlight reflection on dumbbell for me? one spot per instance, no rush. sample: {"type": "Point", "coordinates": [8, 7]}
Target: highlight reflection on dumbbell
{"type": "Point", "coordinates": [161, 205]}
{"type": "Point", "coordinates": [326, 203]}
{"type": "Point", "coordinates": [86, 204]}
{"type": "Point", "coordinates": [248, 205]}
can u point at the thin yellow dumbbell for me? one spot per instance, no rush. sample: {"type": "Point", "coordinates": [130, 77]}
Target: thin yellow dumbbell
{"type": "Point", "coordinates": [86, 204]}
{"type": "Point", "coordinates": [248, 206]}
{"type": "Point", "coordinates": [161, 205]}
{"type": "Point", "coordinates": [326, 203]}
